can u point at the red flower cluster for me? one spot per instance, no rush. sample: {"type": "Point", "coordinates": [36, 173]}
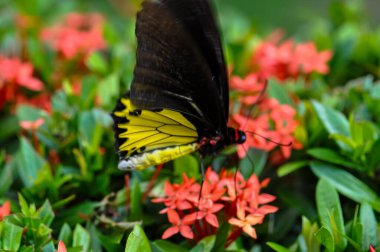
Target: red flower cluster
{"type": "Point", "coordinates": [274, 121]}
{"type": "Point", "coordinates": [288, 59]}
{"type": "Point", "coordinates": [78, 35]}
{"type": "Point", "coordinates": [16, 76]}
{"type": "Point", "coordinates": [222, 200]}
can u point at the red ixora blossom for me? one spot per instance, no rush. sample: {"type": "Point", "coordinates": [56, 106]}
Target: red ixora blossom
{"type": "Point", "coordinates": [274, 121]}
{"type": "Point", "coordinates": [287, 59]}
{"type": "Point", "coordinates": [5, 210]}
{"type": "Point", "coordinates": [15, 76]}
{"type": "Point", "coordinates": [223, 199]}
{"type": "Point", "coordinates": [78, 35]}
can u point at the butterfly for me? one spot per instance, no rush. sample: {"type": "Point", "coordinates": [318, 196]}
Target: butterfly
{"type": "Point", "coordinates": [178, 102]}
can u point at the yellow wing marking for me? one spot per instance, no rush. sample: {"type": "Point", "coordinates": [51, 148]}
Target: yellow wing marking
{"type": "Point", "coordinates": [166, 133]}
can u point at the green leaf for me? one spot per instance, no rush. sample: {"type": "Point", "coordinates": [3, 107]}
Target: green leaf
{"type": "Point", "coordinates": [96, 63]}
{"type": "Point", "coordinates": [279, 92]}
{"type": "Point", "coordinates": [332, 157]}
{"type": "Point", "coordinates": [288, 168]}
{"type": "Point", "coordinates": [330, 212]}
{"type": "Point", "coordinates": [65, 234]}
{"type": "Point", "coordinates": [165, 246]}
{"type": "Point", "coordinates": [187, 164]}
{"type": "Point", "coordinates": [308, 232]}
{"type": "Point", "coordinates": [346, 184]}
{"type": "Point", "coordinates": [46, 213]}
{"type": "Point", "coordinates": [334, 121]}
{"type": "Point", "coordinates": [137, 241]}
{"type": "Point", "coordinates": [253, 162]}
{"type": "Point", "coordinates": [325, 237]}
{"type": "Point", "coordinates": [29, 113]}
{"type": "Point", "coordinates": [9, 126]}
{"type": "Point", "coordinates": [136, 203]}
{"type": "Point", "coordinates": [11, 236]}
{"type": "Point", "coordinates": [6, 176]}
{"type": "Point", "coordinates": [205, 245]}
{"type": "Point", "coordinates": [28, 163]}
{"type": "Point", "coordinates": [277, 247]}
{"type": "Point", "coordinates": [368, 220]}
{"type": "Point", "coordinates": [108, 90]}
{"type": "Point", "coordinates": [81, 238]}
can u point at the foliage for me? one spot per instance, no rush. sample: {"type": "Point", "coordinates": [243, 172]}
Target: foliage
{"type": "Point", "coordinates": [63, 65]}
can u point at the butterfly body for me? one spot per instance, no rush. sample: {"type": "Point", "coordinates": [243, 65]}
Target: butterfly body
{"type": "Point", "coordinates": [178, 102]}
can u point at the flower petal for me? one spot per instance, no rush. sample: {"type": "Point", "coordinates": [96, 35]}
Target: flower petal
{"type": "Point", "coordinates": [170, 232]}
{"type": "Point", "coordinates": [186, 232]}
{"type": "Point", "coordinates": [61, 247]}
{"type": "Point", "coordinates": [250, 231]}
{"type": "Point", "coordinates": [212, 220]}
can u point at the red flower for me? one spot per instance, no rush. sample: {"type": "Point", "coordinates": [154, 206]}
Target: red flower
{"type": "Point", "coordinates": [224, 192]}
{"type": "Point", "coordinates": [79, 34]}
{"type": "Point", "coordinates": [274, 121]}
{"type": "Point", "coordinates": [179, 196]}
{"type": "Point", "coordinates": [251, 86]}
{"type": "Point", "coordinates": [5, 209]}
{"type": "Point", "coordinates": [179, 226]}
{"type": "Point", "coordinates": [288, 60]}
{"type": "Point", "coordinates": [61, 247]}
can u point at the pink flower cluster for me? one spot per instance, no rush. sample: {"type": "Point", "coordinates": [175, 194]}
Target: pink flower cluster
{"type": "Point", "coordinates": [78, 35]}
{"type": "Point", "coordinates": [223, 199]}
{"type": "Point", "coordinates": [289, 60]}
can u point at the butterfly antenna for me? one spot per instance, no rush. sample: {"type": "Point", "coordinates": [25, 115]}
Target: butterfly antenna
{"type": "Point", "coordinates": [258, 100]}
{"type": "Point", "coordinates": [270, 140]}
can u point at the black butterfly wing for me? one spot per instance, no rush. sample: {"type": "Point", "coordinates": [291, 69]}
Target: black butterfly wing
{"type": "Point", "coordinates": [179, 62]}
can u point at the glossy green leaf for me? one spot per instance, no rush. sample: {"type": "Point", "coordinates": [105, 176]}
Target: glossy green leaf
{"type": "Point", "coordinates": [308, 232]}
{"type": "Point", "coordinates": [291, 167]}
{"type": "Point", "coordinates": [325, 237]}
{"type": "Point", "coordinates": [277, 247]}
{"type": "Point", "coordinates": [135, 203]}
{"type": "Point", "coordinates": [81, 238]}
{"type": "Point", "coordinates": [330, 213]}
{"type": "Point", "coordinates": [164, 246]}
{"type": "Point", "coordinates": [46, 213]}
{"type": "Point", "coordinates": [28, 162]}
{"type": "Point", "coordinates": [6, 176]}
{"type": "Point", "coordinates": [368, 220]}
{"type": "Point", "coordinates": [346, 184]}
{"type": "Point", "coordinates": [333, 157]}
{"type": "Point", "coordinates": [11, 236]}
{"type": "Point", "coordinates": [334, 121]}
{"type": "Point", "coordinates": [204, 245]}
{"type": "Point", "coordinates": [137, 241]}
{"type": "Point", "coordinates": [187, 164]}
{"type": "Point", "coordinates": [65, 234]}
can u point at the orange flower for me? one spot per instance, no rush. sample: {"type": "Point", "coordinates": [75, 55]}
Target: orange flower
{"type": "Point", "coordinates": [246, 221]}
{"type": "Point", "coordinates": [5, 209]}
